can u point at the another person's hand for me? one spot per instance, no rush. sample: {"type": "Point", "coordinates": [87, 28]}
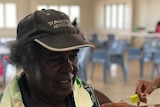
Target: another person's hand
{"type": "Point", "coordinates": [121, 104]}
{"type": "Point", "coordinates": [143, 89]}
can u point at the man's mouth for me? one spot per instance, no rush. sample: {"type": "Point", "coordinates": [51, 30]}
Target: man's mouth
{"type": "Point", "coordinates": [65, 81]}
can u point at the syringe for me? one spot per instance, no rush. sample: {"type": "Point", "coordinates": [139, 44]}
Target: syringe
{"type": "Point", "coordinates": [134, 99]}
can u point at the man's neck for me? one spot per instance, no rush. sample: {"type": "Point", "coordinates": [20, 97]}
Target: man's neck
{"type": "Point", "coordinates": [38, 103]}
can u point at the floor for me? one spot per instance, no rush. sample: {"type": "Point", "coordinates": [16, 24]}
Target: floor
{"type": "Point", "coordinates": [116, 88]}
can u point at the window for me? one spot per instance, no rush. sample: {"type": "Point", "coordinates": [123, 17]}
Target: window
{"type": "Point", "coordinates": [73, 11]}
{"type": "Point", "coordinates": [115, 16]}
{"type": "Point", "coordinates": [53, 7]}
{"type": "Point", "coordinates": [1, 15]}
{"type": "Point", "coordinates": [42, 7]}
{"type": "Point", "coordinates": [64, 9]}
{"type": "Point", "coordinates": [121, 16]}
{"type": "Point", "coordinates": [108, 16]}
{"type": "Point", "coordinates": [8, 15]}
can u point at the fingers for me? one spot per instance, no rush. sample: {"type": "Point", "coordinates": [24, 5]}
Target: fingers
{"type": "Point", "coordinates": [141, 90]}
{"type": "Point", "coordinates": [144, 98]}
{"type": "Point", "coordinates": [138, 104]}
{"type": "Point", "coordinates": [140, 87]}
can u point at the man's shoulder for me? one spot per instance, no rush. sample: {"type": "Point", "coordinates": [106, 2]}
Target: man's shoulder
{"type": "Point", "coordinates": [90, 90]}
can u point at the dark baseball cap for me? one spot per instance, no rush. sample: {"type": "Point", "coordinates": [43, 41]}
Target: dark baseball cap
{"type": "Point", "coordinates": [51, 29]}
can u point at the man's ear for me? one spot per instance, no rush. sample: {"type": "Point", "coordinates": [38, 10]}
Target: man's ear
{"type": "Point", "coordinates": [28, 67]}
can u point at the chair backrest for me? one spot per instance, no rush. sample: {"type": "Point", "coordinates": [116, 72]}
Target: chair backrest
{"type": "Point", "coordinates": [150, 46]}
{"type": "Point", "coordinates": [111, 37]}
{"type": "Point", "coordinates": [97, 41]}
{"type": "Point", "coordinates": [99, 55]}
{"type": "Point", "coordinates": [117, 47]}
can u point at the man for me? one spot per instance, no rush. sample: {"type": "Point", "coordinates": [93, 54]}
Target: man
{"type": "Point", "coordinates": [46, 48]}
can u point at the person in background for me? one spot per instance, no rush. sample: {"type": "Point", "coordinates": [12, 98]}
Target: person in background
{"type": "Point", "coordinates": [46, 49]}
{"type": "Point", "coordinates": [158, 28]}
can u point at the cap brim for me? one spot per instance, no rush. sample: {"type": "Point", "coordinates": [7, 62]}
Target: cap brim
{"type": "Point", "coordinates": [62, 42]}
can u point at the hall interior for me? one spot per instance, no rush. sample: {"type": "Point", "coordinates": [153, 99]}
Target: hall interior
{"type": "Point", "coordinates": [138, 24]}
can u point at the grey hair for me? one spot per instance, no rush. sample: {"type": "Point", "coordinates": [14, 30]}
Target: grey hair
{"type": "Point", "coordinates": [22, 55]}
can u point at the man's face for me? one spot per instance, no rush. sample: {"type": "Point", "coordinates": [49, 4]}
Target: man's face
{"type": "Point", "coordinates": [57, 70]}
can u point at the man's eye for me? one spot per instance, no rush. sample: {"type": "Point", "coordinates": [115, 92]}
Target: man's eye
{"type": "Point", "coordinates": [73, 57]}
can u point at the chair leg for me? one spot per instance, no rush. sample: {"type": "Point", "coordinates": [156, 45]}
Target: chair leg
{"type": "Point", "coordinates": [158, 70]}
{"type": "Point", "coordinates": [128, 67]}
{"type": "Point", "coordinates": [153, 70]}
{"type": "Point", "coordinates": [92, 70]}
{"type": "Point", "coordinates": [124, 71]}
{"type": "Point", "coordinates": [105, 72]}
{"type": "Point", "coordinates": [109, 69]}
{"type": "Point", "coordinates": [155, 67]}
{"type": "Point", "coordinates": [141, 67]}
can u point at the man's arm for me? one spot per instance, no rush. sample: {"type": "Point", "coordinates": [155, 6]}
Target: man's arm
{"type": "Point", "coordinates": [123, 104]}
{"type": "Point", "coordinates": [101, 97]}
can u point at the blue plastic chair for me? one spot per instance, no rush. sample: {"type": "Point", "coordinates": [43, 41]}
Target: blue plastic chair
{"type": "Point", "coordinates": [99, 56]}
{"type": "Point", "coordinates": [116, 55]}
{"type": "Point", "coordinates": [83, 59]}
{"type": "Point", "coordinates": [149, 48]}
{"type": "Point", "coordinates": [156, 64]}
{"type": "Point", "coordinates": [135, 54]}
